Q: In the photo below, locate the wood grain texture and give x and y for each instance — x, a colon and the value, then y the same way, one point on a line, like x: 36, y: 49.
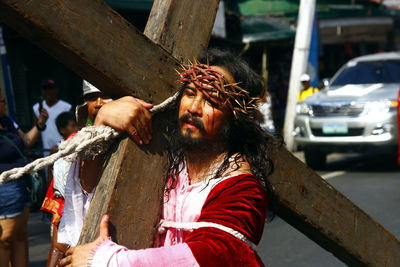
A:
x: 97, y: 43
x: 182, y: 27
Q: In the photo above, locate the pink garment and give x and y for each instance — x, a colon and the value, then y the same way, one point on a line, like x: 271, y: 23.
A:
x: 182, y: 204
x: 110, y: 254
x: 238, y: 203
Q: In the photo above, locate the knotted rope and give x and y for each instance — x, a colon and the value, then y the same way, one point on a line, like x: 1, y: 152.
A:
x: 87, y: 143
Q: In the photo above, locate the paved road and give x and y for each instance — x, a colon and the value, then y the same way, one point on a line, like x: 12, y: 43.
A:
x: 372, y: 183
x: 39, y: 240
x: 369, y: 181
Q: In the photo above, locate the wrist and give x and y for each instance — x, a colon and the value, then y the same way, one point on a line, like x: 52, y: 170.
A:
x: 41, y: 128
x: 98, y: 121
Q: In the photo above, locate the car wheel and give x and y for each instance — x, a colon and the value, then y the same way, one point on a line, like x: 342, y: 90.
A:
x: 315, y: 159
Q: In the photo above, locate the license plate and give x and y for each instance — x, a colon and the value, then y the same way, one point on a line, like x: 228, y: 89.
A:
x: 334, y: 128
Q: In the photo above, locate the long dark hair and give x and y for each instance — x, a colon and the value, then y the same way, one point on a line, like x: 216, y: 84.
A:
x: 245, y: 139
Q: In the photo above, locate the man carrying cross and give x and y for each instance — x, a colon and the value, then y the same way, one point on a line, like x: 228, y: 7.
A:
x: 216, y: 193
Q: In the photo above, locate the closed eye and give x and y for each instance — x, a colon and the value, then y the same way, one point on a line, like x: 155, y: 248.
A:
x: 214, y: 100
x: 189, y: 91
x: 212, y: 103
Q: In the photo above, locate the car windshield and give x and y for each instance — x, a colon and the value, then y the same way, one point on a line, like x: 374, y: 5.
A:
x: 369, y: 72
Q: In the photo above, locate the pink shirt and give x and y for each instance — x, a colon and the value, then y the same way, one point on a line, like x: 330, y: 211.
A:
x: 184, y: 205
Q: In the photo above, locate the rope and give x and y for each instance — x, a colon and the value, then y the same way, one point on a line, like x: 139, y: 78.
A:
x: 196, y: 225
x: 87, y: 143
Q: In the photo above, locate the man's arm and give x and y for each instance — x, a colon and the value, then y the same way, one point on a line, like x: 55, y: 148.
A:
x: 90, y: 170
x: 31, y: 136
x: 127, y: 114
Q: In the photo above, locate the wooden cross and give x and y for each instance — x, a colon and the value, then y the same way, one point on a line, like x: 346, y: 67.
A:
x: 103, y: 48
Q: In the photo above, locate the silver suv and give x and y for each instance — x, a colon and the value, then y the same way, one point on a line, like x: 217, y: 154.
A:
x: 355, y: 113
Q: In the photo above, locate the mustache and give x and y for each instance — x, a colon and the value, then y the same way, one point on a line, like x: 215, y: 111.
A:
x: 195, y: 121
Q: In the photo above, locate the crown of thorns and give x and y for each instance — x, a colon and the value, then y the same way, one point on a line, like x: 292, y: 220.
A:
x: 209, y: 81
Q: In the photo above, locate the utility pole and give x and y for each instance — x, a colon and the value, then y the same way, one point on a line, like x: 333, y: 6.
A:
x: 301, y: 51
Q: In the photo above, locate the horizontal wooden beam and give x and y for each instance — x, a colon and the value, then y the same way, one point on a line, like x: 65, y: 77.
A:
x: 96, y: 43
x: 318, y: 210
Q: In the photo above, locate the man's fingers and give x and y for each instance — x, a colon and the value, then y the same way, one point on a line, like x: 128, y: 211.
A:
x: 144, y: 128
x: 104, y: 227
x: 146, y: 121
x: 141, y: 127
x: 148, y: 126
x: 65, y: 261
x: 43, y: 116
x: 128, y: 114
x: 70, y: 251
x: 144, y: 103
x: 134, y: 135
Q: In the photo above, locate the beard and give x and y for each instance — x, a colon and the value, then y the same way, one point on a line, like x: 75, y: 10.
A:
x: 186, y: 143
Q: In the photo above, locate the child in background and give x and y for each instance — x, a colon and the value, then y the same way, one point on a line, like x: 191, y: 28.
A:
x: 66, y: 124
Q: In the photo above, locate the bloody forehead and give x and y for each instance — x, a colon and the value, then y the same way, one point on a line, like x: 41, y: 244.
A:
x: 210, y: 81
x: 204, y: 78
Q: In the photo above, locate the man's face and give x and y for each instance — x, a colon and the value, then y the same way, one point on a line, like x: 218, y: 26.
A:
x: 50, y: 94
x: 200, y: 117
x: 305, y: 84
x: 3, y: 109
x: 94, y: 102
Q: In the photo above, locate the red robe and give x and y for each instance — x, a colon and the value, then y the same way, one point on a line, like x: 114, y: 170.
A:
x: 239, y: 202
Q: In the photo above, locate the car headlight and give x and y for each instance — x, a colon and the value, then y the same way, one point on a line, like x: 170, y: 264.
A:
x: 376, y: 107
x: 303, y: 109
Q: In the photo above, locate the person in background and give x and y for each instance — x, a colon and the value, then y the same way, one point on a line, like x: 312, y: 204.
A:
x: 307, y: 88
x: 54, y: 106
x: 66, y: 124
x: 94, y: 100
x: 59, y: 197
x: 14, y: 202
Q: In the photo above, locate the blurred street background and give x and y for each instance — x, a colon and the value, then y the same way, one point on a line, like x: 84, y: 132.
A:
x: 264, y: 33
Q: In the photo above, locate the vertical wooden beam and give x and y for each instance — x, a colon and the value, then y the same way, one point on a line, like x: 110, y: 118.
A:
x: 180, y: 27
x: 129, y: 175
